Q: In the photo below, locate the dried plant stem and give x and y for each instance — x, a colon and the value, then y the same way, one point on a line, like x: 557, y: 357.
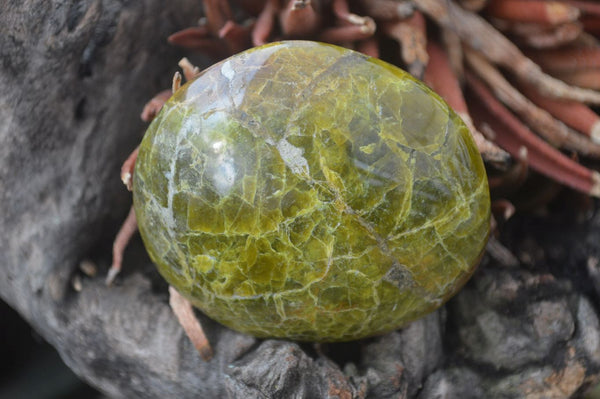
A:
x: 346, y: 34
x: 252, y: 7
x: 541, y: 121
x: 482, y: 36
x: 352, y: 28
x: 123, y: 237
x: 265, y: 23
x: 567, y: 59
x: 440, y: 77
x: 386, y: 10
x: 217, y: 14
x: 299, y: 19
x: 341, y: 9
x: 551, y: 38
x: 455, y: 54
x: 411, y: 34
x: 231, y: 37
x: 153, y: 106
x: 187, y: 319
x: 176, y: 82
x: 544, y: 12
x: 588, y: 7
x: 513, y: 136
x: 586, y: 39
x: 236, y: 36
x: 189, y: 37
x: 368, y: 46
x: 577, y: 115
x: 589, y: 78
x: 189, y: 70
x: 473, y: 5
x: 127, y: 169
x: 198, y: 38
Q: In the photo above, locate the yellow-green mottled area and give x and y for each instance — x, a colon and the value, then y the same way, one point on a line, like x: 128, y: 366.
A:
x: 306, y: 191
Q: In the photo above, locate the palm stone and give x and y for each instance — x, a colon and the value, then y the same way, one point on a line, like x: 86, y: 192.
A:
x: 307, y: 191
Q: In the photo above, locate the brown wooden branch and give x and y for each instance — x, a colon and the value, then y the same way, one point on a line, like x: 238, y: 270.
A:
x: 127, y: 230
x: 454, y: 52
x: 341, y: 9
x: 265, y: 23
x: 350, y: 27
x: 299, y: 18
x: 190, y: 324
x: 586, y: 40
x: 440, y: 77
x: 552, y: 38
x: 543, y: 12
x: 577, y: 115
x: 386, y: 10
x: 236, y: 36
x: 473, y: 5
x: 189, y: 70
x: 199, y: 38
x: 154, y: 105
x: 588, y: 78
x: 411, y: 34
x: 567, y: 59
x: 189, y: 37
x: 480, y: 35
x: 513, y: 136
x: 347, y: 34
x: 217, y: 14
x: 127, y: 169
x: 368, y: 46
x: 587, y: 7
x: 540, y: 120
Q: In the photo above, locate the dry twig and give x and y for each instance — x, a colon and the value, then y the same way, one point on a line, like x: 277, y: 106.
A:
x: 541, y: 121
x: 535, y: 11
x: 577, y: 115
x: 440, y: 77
x: 411, y: 35
x: 482, y: 36
x: 512, y: 135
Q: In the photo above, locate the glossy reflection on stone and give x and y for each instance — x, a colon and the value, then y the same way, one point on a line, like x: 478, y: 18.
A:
x: 306, y: 191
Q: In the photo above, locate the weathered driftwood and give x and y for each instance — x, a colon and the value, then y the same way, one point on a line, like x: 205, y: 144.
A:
x: 74, y: 78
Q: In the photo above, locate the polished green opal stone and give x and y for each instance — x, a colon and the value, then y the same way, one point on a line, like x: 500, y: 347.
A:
x: 303, y: 190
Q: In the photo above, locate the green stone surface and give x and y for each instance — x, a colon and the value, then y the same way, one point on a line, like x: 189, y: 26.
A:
x: 307, y: 191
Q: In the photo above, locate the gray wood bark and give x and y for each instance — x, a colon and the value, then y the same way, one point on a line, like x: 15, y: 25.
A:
x: 74, y: 77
